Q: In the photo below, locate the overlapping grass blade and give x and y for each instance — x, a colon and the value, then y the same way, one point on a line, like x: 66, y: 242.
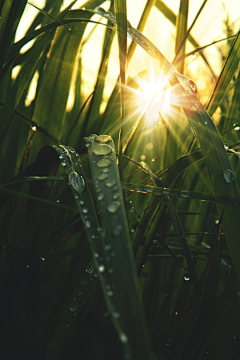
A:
x: 8, y: 30
x: 178, y: 55
x: 208, y: 297
x: 182, y: 24
x: 117, y: 240
x: 209, y: 140
x: 225, y: 77
x: 169, y: 14
x: 93, y: 113
x: 120, y: 7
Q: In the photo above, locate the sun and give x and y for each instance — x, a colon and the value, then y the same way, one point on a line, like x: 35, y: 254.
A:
x: 154, y: 98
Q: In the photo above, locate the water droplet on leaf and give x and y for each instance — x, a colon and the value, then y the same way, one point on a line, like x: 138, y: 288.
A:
x: 102, y: 149
x: 73, y: 308
x: 113, y: 207
x: 186, y: 277
x: 110, y: 183
x: 100, y: 197
x: 166, y: 191
x: 103, y: 163
x: 101, y: 268
x: 103, y: 138
x: 184, y: 193
x: 123, y: 337
x: 228, y: 176
x: 102, y: 176
x: 87, y: 224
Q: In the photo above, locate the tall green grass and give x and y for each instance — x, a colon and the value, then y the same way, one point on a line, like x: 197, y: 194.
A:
x: 119, y: 228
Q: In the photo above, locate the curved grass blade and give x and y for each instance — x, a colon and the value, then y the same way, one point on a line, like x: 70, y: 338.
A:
x: 8, y: 32
x: 225, y: 77
x: 200, y: 48
x: 49, y: 15
x: 105, y: 257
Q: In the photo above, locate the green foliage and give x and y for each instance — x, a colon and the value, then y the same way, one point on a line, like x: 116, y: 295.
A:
x: 115, y: 254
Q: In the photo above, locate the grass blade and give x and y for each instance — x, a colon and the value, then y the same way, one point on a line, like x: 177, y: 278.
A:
x: 182, y: 24
x: 225, y: 77
x: 117, y: 239
x: 120, y: 7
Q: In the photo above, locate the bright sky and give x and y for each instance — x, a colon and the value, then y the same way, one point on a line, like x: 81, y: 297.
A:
x: 209, y: 27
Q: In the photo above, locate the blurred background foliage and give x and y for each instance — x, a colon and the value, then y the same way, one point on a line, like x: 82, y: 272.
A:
x: 53, y: 93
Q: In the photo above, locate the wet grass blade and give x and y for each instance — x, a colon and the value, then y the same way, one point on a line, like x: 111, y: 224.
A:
x: 114, y: 245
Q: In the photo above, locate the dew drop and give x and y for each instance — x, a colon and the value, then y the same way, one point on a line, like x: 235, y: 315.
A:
x: 228, y: 176
x: 80, y: 293
x: 99, y: 229
x: 63, y: 163
x: 34, y: 128
x: 110, y: 183
x: 100, y: 197
x: 184, y: 193
x: 149, y: 189
x: 42, y: 258
x: 87, y: 224
x: 85, y: 210
x: 166, y: 191
x: 116, y: 196
x: 101, y: 268
x: 206, y: 123
x: 123, y: 337
x: 192, y: 85
x: 186, y: 277
x: 105, y: 170
x: 81, y: 202
x: 61, y: 157
x: 194, y: 108
x: 102, y: 176
x: 73, y: 308
x: 110, y: 293
x: 76, y: 181
x: 102, y: 149
x: 113, y: 207
x: 144, y: 165
x: 103, y: 163
x: 96, y: 255
x: 103, y: 138
x: 116, y: 315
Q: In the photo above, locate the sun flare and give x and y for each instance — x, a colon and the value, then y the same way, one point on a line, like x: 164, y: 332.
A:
x: 154, y: 98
